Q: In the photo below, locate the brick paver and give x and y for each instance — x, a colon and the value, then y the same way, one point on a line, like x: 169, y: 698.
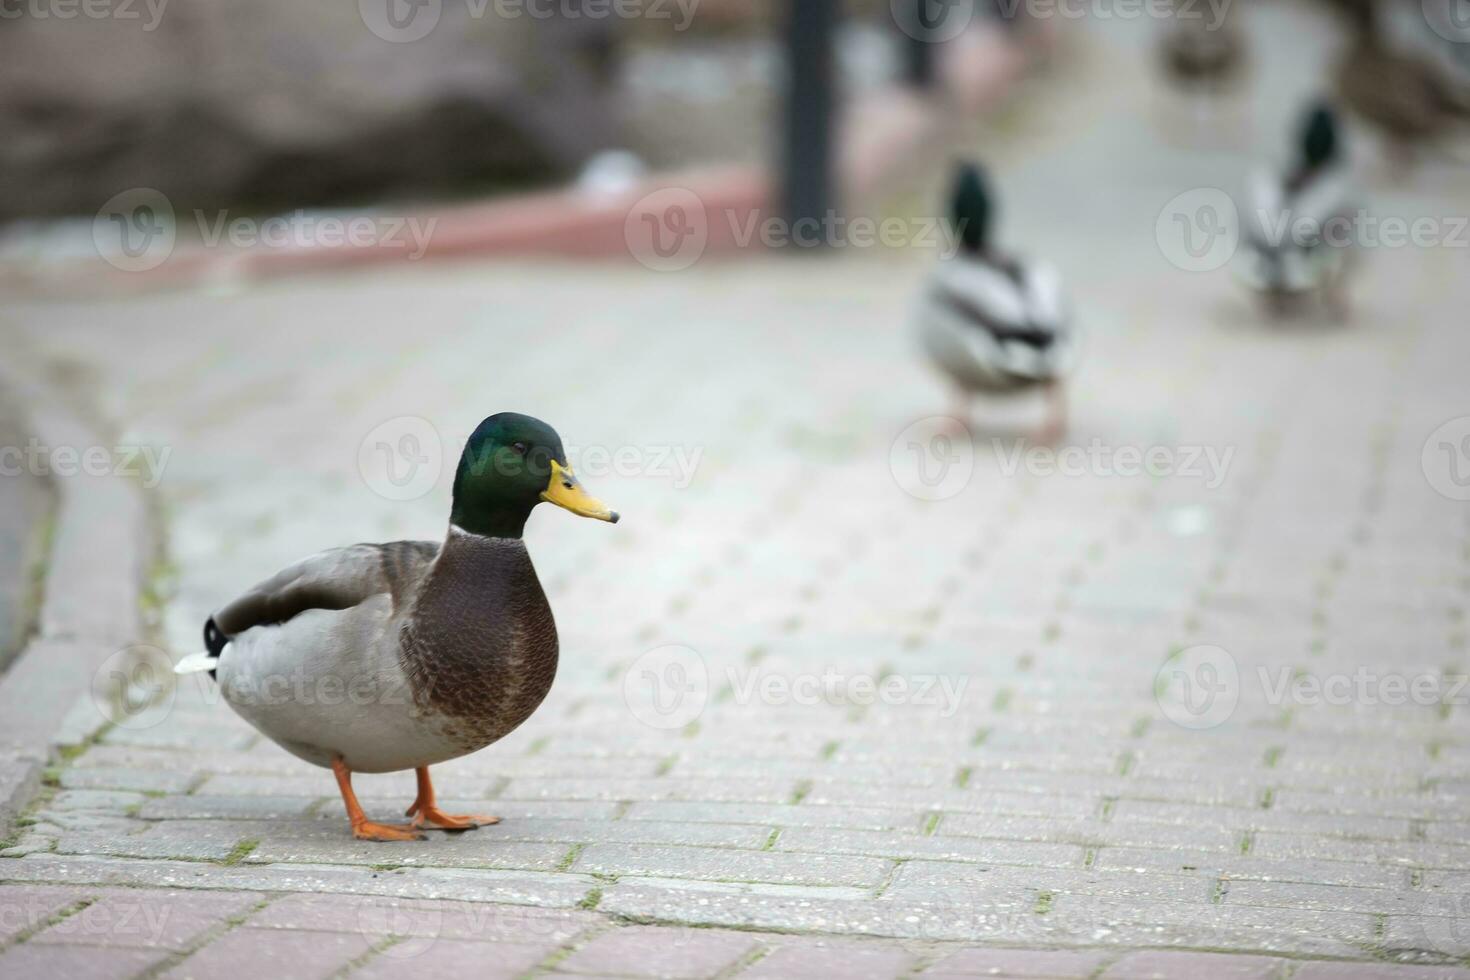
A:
x: 1030, y: 805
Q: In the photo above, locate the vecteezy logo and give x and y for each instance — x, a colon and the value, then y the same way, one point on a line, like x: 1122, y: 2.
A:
x: 401, y: 459
x: 1199, y: 230
x: 667, y: 230
x: 1446, y: 459
x: 1450, y: 19
x: 1198, y: 687
x: 415, y: 926
x: 134, y: 231
x: 400, y: 20
x: 667, y: 687
x: 1445, y: 919
x: 932, y: 21
x: 933, y: 459
x: 134, y: 688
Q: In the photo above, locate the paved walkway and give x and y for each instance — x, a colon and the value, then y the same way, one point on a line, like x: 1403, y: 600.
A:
x: 849, y: 698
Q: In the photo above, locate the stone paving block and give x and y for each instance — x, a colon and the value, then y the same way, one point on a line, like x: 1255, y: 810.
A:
x: 200, y: 807
x: 94, y: 799
x: 781, y: 815
x: 1234, y: 820
x: 1426, y: 854
x: 1298, y: 930
x: 192, y: 839
x: 1352, y: 800
x: 397, y: 786
x: 147, y: 918
x: 696, y: 764
x: 377, y: 917
x: 931, y: 920
x: 995, y: 962
x: 919, y: 880
x: 331, y: 842
x: 512, y: 812
x: 1325, y: 897
x: 27, y: 908
x: 1092, y: 832
x: 268, y: 759
x: 655, y: 951
x: 906, y: 846
x: 1205, y: 788
x: 180, y: 737
x: 833, y: 958
x: 715, y: 790
x: 641, y: 744
x: 634, y: 832
x: 273, y: 953
x: 952, y: 800
x: 1457, y: 882
x: 1377, y: 971
x: 140, y: 780
x: 78, y: 962
x: 29, y: 843
x: 453, y: 957
x: 728, y: 864
x: 1164, y: 965
x: 548, y: 889
x: 58, y: 822
x: 1238, y: 866
x: 495, y: 765
x: 1440, y: 929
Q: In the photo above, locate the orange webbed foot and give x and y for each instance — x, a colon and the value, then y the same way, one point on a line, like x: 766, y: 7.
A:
x: 385, y: 832
x: 433, y: 816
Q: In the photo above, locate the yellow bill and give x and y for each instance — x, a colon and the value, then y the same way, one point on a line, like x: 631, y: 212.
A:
x: 565, y: 490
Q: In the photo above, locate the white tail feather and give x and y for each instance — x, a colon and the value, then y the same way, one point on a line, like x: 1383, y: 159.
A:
x: 196, y: 663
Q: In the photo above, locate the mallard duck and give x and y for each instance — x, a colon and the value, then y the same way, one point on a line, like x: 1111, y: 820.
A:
x: 1201, y: 55
x: 991, y: 322
x: 1291, y: 247
x: 385, y: 657
x: 1409, y: 85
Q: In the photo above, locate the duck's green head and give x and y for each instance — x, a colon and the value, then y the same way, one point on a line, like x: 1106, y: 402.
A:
x: 510, y: 464
x: 970, y: 208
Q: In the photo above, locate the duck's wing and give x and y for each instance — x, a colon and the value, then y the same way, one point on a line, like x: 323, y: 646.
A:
x: 998, y: 326
x: 1266, y: 223
x: 1323, y: 199
x: 337, y: 579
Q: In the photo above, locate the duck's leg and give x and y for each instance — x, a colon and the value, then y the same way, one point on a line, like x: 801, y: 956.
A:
x: 961, y: 417
x: 425, y: 810
x: 362, y: 827
x: 1055, y: 426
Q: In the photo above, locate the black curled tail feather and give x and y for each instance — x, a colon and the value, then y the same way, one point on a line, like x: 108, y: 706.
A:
x: 214, y: 642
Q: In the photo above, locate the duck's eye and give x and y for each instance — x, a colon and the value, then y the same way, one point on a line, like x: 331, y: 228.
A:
x: 519, y: 448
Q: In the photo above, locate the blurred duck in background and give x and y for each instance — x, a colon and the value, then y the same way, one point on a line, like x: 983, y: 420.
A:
x: 1404, y: 77
x: 1200, y: 55
x: 1293, y: 248
x: 992, y: 323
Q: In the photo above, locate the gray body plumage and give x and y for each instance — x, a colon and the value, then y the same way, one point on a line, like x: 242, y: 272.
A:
x: 391, y: 656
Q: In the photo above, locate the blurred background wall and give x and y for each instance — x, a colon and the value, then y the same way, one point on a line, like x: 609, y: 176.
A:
x: 277, y: 102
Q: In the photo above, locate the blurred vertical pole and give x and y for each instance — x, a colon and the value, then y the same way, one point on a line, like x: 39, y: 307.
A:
x: 806, y: 192
x: 919, y: 54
